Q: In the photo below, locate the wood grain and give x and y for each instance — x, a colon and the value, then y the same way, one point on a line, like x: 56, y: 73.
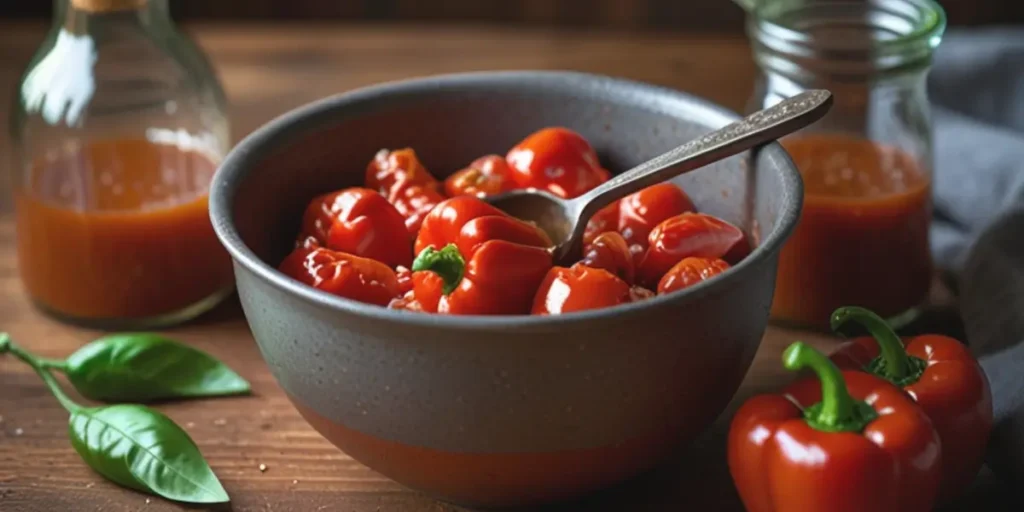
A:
x: 268, y: 70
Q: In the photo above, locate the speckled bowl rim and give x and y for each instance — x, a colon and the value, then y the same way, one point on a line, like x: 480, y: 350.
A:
x: 271, y: 136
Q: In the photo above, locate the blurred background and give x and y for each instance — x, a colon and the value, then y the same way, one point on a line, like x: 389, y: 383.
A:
x: 670, y: 15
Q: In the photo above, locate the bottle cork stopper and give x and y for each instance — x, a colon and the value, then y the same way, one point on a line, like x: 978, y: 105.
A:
x: 107, y: 5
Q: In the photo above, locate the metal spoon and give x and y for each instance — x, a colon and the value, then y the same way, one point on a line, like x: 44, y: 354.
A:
x: 566, y: 219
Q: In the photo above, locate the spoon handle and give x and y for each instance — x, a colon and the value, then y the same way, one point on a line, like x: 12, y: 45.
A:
x: 756, y: 129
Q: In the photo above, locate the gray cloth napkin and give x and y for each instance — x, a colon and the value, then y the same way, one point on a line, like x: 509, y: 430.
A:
x: 977, y: 90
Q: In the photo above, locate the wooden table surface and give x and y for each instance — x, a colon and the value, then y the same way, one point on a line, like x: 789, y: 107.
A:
x: 266, y: 71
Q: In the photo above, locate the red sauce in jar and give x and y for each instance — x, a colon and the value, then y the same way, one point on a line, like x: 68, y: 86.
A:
x: 119, y: 230
x: 862, y: 239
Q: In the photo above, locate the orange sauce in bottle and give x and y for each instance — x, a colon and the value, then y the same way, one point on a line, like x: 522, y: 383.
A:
x: 862, y: 239
x: 119, y: 231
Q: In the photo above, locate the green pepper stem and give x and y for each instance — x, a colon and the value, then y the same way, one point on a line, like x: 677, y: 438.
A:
x: 838, y: 411
x: 40, y: 366
x: 447, y: 263
x: 897, y: 366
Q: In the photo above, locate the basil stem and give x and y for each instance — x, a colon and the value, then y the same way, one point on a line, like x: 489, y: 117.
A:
x: 37, y: 364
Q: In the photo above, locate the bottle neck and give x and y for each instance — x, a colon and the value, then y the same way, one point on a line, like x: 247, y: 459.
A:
x: 79, y: 16
x: 841, y: 42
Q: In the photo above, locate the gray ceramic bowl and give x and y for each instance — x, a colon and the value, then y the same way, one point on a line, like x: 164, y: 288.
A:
x: 500, y: 411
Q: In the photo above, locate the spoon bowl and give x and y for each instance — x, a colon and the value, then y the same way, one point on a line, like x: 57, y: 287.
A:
x: 565, y: 220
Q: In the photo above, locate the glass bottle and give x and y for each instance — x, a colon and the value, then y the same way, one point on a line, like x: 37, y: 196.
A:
x: 118, y: 125
x: 867, y: 166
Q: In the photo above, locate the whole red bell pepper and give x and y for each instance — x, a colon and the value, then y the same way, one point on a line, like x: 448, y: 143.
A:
x: 844, y: 442
x: 342, y: 274
x: 444, y: 223
x: 489, y: 263
x: 361, y: 222
x: 579, y: 288
x: 941, y: 375
x: 499, y: 278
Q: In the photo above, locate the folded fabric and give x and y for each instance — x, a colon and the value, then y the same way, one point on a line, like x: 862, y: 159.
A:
x: 977, y: 89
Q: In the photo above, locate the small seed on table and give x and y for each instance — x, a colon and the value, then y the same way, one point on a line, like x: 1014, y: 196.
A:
x: 263, y: 468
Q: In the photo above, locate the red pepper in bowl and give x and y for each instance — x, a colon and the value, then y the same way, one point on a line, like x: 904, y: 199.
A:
x: 499, y: 278
x: 689, y: 272
x: 443, y: 224
x: 342, y: 274
x: 489, y: 263
x: 486, y: 176
x: 361, y: 222
x: 400, y: 177
x: 941, y: 375
x: 604, y: 221
x: 610, y: 252
x: 685, y: 235
x: 639, y: 213
x: 389, y: 167
x: 845, y: 442
x: 558, y: 160
x: 579, y: 288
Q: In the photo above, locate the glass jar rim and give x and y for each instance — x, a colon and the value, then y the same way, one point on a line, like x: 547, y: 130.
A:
x: 914, y: 27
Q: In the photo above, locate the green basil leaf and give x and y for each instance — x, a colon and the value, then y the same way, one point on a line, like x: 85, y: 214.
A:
x: 142, y: 449
x: 147, y: 367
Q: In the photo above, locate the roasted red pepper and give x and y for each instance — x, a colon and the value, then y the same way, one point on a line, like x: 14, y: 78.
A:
x: 342, y: 274
x: 404, y: 275
x: 401, y: 178
x: 604, y: 221
x: 844, y: 442
x: 486, y: 176
x: 579, y: 288
x: 686, y: 235
x: 558, y: 160
x: 388, y: 168
x: 941, y: 375
x: 499, y: 278
x: 689, y: 272
x: 609, y: 252
x: 414, y: 203
x: 639, y: 213
x: 361, y: 222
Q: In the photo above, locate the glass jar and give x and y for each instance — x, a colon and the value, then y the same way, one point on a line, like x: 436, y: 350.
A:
x: 862, y: 238
x: 117, y: 128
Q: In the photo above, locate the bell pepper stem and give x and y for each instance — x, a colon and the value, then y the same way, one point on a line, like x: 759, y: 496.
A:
x: 838, y: 411
x: 447, y: 263
x: 893, y: 363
